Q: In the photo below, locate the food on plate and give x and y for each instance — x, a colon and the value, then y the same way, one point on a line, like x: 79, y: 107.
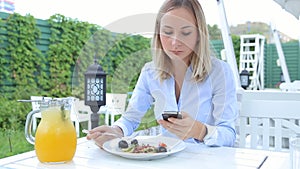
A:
x: 135, y: 147
x: 134, y: 141
x: 123, y: 144
x: 162, y: 149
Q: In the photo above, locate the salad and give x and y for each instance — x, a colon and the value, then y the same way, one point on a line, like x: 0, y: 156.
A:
x: 135, y: 147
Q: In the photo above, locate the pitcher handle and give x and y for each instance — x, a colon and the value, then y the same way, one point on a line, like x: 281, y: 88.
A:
x: 28, y: 134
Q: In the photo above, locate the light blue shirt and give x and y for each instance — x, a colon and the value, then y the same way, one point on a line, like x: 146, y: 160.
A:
x: 212, y: 102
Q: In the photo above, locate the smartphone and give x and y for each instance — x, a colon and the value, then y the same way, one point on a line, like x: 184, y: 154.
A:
x: 168, y: 114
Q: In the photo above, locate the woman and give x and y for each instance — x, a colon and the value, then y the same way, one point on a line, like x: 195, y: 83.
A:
x: 182, y: 77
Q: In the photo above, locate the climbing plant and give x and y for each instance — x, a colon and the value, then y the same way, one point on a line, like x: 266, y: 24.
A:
x: 26, y: 62
x: 68, y: 37
x: 129, y: 56
x: 4, y: 62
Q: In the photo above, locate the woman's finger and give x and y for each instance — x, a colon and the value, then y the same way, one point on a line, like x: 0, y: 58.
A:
x: 100, y: 140
x: 100, y: 129
x: 93, y: 135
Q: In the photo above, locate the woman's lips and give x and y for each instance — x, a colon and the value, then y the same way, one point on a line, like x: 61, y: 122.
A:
x: 176, y: 52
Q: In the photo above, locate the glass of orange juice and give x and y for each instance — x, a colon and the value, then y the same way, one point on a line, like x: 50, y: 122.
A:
x: 55, y: 139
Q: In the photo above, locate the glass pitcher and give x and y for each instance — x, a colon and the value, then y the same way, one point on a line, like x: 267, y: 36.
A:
x: 55, y: 139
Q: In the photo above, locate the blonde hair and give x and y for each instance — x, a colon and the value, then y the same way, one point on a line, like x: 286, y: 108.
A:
x: 200, y: 59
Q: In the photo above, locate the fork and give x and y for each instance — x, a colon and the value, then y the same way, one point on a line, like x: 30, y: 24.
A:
x: 105, y: 134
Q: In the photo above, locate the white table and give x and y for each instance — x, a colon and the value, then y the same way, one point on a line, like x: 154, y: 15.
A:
x: 88, y: 155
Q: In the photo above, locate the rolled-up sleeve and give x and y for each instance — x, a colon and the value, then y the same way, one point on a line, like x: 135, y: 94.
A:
x: 221, y: 131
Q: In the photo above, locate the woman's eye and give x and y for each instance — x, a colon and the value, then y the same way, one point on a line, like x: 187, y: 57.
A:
x: 186, y: 33
x: 168, y: 32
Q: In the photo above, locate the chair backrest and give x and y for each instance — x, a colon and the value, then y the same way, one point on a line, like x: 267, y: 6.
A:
x: 239, y: 96
x: 80, y: 107
x: 116, y: 102
x: 294, y: 86
x: 270, y: 95
x: 268, y: 121
x: 36, y: 105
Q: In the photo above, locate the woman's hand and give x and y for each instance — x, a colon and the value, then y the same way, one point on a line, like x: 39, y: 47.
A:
x: 185, y: 128
x: 104, y: 133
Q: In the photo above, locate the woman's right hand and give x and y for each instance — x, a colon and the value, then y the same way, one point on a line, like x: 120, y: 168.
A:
x: 104, y: 133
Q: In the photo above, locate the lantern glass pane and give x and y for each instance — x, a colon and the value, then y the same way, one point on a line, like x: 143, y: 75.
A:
x: 101, y: 80
x: 97, y: 98
x: 244, y: 80
x: 92, y: 80
x: 95, y: 89
x: 97, y: 80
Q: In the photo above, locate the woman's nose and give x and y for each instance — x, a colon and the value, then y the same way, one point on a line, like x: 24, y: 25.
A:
x: 175, y: 41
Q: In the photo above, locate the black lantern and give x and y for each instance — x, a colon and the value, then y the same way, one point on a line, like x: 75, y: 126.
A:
x: 244, y: 77
x: 95, y: 90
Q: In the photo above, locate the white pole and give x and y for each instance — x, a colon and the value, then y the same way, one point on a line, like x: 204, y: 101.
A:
x: 281, y: 56
x: 228, y: 43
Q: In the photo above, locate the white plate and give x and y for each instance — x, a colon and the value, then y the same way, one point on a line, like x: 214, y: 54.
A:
x: 173, y: 146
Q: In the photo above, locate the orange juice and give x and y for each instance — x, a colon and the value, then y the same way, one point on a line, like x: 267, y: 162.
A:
x: 55, y: 139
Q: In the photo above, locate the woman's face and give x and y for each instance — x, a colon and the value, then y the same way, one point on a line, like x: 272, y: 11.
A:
x: 178, y: 34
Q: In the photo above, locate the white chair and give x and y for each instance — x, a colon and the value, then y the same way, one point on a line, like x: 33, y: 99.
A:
x: 285, y: 86
x: 270, y: 95
x: 239, y: 96
x: 268, y: 123
x: 115, y: 105
x: 75, y: 114
x: 82, y: 113
x: 290, y: 87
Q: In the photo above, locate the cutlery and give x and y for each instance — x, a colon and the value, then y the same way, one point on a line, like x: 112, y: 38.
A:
x: 262, y: 162
x: 105, y: 134
x: 29, y: 100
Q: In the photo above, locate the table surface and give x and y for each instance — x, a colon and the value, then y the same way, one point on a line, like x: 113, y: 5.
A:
x: 88, y: 155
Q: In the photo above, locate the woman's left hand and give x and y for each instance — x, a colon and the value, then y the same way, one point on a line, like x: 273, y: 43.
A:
x: 184, y: 128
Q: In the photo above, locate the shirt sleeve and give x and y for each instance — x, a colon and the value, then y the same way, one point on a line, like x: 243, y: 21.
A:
x: 139, y: 103
x: 210, y: 133
x: 222, y: 131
